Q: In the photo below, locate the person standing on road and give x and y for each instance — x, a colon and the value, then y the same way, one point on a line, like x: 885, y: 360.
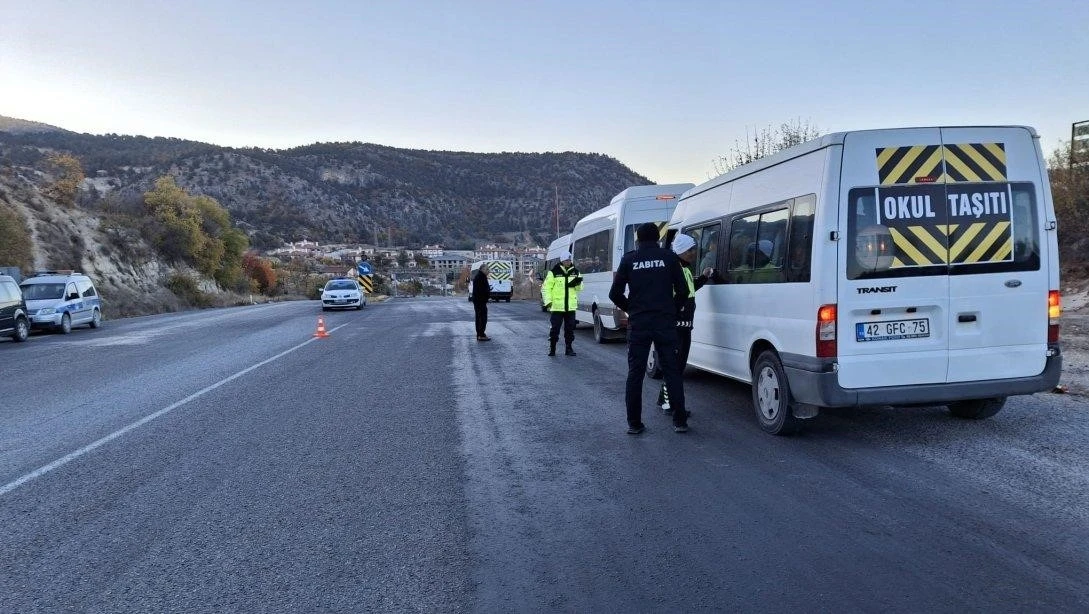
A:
x: 481, y: 293
x: 685, y: 248
x: 656, y: 292
x: 560, y: 295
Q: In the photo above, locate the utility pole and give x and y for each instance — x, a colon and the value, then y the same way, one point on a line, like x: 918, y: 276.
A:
x: 556, y: 192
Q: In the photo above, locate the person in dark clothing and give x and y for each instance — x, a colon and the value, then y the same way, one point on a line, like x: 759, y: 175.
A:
x: 656, y: 292
x: 685, y: 248
x: 480, y: 295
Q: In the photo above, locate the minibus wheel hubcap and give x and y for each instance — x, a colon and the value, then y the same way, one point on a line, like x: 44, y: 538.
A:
x: 768, y: 392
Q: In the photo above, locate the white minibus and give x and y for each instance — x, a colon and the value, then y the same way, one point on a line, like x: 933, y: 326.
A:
x: 600, y: 239
x: 914, y: 266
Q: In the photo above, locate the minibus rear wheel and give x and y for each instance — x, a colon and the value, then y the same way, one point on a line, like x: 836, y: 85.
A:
x: 977, y: 409
x: 771, y: 395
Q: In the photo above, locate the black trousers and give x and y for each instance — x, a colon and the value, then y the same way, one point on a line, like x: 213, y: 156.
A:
x: 481, y: 309
x: 663, y: 335
x: 567, y: 319
x: 684, y: 345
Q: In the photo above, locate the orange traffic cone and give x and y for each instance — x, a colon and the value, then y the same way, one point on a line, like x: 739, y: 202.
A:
x: 321, y: 328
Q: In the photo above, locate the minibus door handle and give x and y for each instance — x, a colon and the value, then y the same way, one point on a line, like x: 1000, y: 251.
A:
x: 966, y: 317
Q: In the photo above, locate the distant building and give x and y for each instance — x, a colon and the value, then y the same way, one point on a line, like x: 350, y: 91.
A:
x: 431, y: 251
x: 448, y: 261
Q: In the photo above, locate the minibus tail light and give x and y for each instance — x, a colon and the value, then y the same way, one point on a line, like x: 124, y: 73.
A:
x: 826, y: 331
x: 1054, y: 312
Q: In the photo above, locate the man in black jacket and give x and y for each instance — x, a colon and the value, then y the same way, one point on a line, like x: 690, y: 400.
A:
x: 656, y: 292
x: 481, y: 292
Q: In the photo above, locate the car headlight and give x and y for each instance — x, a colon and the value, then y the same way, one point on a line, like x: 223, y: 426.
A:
x: 47, y: 311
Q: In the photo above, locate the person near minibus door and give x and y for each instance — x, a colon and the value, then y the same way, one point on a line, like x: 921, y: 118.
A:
x: 685, y: 248
x: 655, y: 290
x: 560, y: 295
x: 480, y: 295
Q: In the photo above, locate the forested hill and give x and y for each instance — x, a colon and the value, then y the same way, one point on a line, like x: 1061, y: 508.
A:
x: 343, y: 191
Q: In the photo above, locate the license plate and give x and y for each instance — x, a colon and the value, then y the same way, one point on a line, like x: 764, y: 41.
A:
x: 890, y: 330
x: 340, y: 301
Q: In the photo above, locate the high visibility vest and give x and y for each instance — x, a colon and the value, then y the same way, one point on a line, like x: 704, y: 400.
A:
x: 558, y: 292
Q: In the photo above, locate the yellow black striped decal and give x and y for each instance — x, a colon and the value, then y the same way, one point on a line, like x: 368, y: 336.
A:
x: 961, y: 243
x: 918, y: 246
x: 954, y: 163
x: 909, y: 165
x: 500, y: 270
x: 366, y: 282
x: 975, y: 162
x: 980, y: 242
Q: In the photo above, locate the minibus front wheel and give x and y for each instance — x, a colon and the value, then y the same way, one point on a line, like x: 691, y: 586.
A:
x: 599, y: 329
x: 771, y: 395
x: 977, y: 409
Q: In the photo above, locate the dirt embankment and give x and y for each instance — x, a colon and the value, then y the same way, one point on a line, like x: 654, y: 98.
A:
x: 1074, y: 338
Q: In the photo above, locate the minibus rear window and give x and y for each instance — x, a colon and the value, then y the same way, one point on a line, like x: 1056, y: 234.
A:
x: 941, y: 229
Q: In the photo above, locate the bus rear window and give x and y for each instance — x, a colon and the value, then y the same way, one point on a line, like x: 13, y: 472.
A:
x: 941, y: 229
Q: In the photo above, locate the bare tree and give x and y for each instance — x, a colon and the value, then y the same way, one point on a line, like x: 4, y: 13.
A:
x: 765, y: 142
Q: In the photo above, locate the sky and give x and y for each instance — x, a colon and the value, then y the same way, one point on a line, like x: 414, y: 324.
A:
x: 665, y: 87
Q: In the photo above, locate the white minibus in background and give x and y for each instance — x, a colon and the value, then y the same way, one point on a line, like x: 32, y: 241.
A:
x: 600, y: 239
x: 500, y: 278
x: 556, y: 249
x: 914, y: 266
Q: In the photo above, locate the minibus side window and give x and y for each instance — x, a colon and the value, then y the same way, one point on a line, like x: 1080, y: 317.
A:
x: 591, y: 253
x: 769, y: 250
x: 742, y: 234
x: 706, y: 238
x: 801, y: 239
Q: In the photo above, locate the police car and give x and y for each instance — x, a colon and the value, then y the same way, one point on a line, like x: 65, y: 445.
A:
x: 59, y: 300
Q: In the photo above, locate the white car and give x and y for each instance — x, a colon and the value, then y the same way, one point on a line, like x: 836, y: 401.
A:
x: 342, y: 294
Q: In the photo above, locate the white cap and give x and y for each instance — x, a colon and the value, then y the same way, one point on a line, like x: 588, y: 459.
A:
x: 565, y: 256
x: 683, y: 243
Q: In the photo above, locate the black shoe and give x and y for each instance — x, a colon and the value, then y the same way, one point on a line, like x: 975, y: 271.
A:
x: 569, y: 352
x: 635, y: 430
x: 552, y: 352
x: 680, y: 428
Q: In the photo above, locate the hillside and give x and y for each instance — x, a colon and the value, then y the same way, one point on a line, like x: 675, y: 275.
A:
x: 357, y: 192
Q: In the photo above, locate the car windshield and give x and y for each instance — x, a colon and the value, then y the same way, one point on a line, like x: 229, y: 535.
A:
x: 341, y: 285
x: 37, y: 292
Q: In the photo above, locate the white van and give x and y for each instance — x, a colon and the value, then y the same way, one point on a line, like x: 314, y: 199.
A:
x: 59, y: 300
x: 914, y: 266
x: 601, y: 239
x: 556, y: 249
x: 500, y: 278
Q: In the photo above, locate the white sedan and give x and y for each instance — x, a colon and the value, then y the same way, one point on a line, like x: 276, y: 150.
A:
x: 342, y: 294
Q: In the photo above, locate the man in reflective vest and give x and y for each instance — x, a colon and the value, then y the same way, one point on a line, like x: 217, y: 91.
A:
x: 560, y: 295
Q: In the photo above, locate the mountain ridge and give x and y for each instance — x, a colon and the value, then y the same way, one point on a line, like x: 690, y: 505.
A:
x: 343, y: 191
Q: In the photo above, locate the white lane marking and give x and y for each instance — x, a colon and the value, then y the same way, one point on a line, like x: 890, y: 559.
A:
x: 64, y: 460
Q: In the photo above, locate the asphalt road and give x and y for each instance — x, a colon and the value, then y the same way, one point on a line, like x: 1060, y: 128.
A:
x: 226, y: 460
